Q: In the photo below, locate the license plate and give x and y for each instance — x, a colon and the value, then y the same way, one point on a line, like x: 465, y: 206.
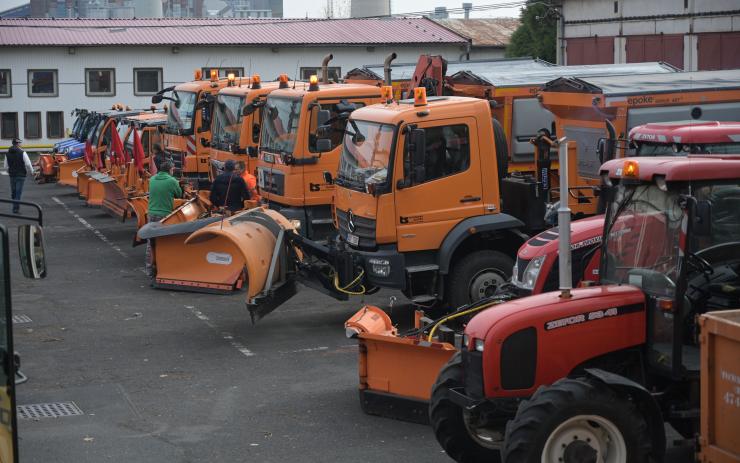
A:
x: 354, y: 240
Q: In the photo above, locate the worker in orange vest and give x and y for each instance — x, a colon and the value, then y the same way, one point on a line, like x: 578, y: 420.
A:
x: 250, y: 180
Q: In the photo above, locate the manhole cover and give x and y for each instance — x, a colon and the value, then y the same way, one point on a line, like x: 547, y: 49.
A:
x: 48, y: 410
x: 21, y: 319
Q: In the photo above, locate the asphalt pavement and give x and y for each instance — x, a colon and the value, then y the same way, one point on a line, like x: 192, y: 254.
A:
x: 165, y: 376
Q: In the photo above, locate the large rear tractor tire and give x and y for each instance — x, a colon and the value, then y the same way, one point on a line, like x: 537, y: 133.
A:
x: 476, y: 276
x: 577, y: 421
x: 453, y: 426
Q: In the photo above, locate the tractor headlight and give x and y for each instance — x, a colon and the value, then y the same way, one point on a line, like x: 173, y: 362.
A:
x: 479, y: 343
x: 296, y: 223
x: 531, y: 273
x: 466, y: 341
x: 380, y: 267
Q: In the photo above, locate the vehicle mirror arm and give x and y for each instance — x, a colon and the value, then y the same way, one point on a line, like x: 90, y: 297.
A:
x: 39, y: 219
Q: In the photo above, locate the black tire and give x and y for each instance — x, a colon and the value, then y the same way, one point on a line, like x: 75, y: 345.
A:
x: 468, y: 271
x: 537, y: 420
x: 502, y: 150
x: 448, y: 422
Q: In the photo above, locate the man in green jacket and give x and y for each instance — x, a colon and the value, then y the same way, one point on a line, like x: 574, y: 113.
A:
x: 163, y: 189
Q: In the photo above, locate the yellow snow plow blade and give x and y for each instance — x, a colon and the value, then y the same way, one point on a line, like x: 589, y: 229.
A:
x: 257, y: 236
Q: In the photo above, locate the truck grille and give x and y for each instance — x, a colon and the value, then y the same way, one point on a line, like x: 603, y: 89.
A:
x: 364, y: 229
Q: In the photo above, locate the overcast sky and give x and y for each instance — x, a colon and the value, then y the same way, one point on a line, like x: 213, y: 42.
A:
x: 316, y: 8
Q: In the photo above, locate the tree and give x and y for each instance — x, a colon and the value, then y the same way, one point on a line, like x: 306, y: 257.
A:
x: 536, y: 36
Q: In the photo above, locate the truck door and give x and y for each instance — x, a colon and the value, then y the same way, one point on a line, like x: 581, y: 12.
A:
x: 8, y: 427
x: 450, y: 191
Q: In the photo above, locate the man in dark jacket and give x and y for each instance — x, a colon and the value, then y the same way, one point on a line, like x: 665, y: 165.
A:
x: 18, y: 166
x: 229, y: 189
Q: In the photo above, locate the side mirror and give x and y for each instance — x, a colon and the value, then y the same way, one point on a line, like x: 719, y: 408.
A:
x: 605, y: 148
x: 256, y: 132
x: 323, y: 117
x: 31, y: 251
x: 702, y: 223
x: 418, y: 152
x: 156, y: 99
x: 328, y: 179
x: 323, y: 145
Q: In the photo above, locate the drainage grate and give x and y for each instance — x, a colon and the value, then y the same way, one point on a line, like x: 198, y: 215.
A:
x: 21, y: 319
x: 48, y: 410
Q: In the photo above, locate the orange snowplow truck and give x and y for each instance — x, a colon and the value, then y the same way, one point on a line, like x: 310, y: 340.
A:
x: 188, y: 130
x: 237, y: 118
x: 582, y: 104
x: 293, y: 158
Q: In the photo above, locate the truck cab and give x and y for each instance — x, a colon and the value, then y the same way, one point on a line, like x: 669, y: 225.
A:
x: 417, y: 199
x: 188, y: 130
x: 237, y: 118
x: 292, y: 163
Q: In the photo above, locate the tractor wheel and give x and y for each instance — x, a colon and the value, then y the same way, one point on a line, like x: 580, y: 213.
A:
x: 476, y: 276
x: 455, y: 428
x: 577, y: 421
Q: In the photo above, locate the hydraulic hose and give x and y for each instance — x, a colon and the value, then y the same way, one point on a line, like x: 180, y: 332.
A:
x: 345, y: 289
x: 456, y: 315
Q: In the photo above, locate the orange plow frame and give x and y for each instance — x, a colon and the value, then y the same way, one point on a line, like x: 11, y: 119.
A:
x: 396, y: 373
x: 67, y: 171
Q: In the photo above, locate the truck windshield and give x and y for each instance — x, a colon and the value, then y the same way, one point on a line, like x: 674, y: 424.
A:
x: 227, y: 121
x: 77, y: 127
x: 644, y: 238
x: 280, y: 124
x: 365, y: 155
x: 662, y: 149
x: 86, y: 128
x: 180, y: 115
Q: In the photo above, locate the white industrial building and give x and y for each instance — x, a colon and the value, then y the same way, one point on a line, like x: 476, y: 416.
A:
x: 690, y: 34
x: 49, y: 67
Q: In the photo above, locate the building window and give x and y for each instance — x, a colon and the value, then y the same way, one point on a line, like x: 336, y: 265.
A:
x: 43, y: 82
x: 32, y: 125
x: 147, y: 81
x: 100, y: 82
x: 5, y: 85
x: 55, y: 124
x: 223, y: 72
x: 9, y: 125
x: 334, y: 73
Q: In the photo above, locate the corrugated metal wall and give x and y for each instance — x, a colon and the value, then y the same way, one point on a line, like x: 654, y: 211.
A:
x: 590, y: 50
x: 719, y: 51
x: 663, y: 47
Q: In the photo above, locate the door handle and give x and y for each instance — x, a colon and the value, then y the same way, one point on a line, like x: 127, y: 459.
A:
x: 470, y: 199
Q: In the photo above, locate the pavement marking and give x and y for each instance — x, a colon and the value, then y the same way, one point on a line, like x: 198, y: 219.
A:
x: 228, y: 337
x: 87, y: 225
x: 308, y: 349
x: 21, y: 319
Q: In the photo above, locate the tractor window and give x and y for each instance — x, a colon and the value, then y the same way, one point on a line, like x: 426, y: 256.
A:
x: 337, y: 126
x: 725, y: 215
x: 447, y: 151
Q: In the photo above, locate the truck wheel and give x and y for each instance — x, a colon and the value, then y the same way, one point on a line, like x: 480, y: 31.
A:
x: 454, y: 427
x: 476, y: 276
x: 577, y: 421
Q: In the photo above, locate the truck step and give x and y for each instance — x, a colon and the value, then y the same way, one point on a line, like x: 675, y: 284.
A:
x: 423, y: 299
x: 422, y: 268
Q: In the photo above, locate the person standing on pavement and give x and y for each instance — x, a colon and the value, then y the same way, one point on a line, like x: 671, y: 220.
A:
x: 18, y: 166
x: 163, y: 189
x: 229, y: 189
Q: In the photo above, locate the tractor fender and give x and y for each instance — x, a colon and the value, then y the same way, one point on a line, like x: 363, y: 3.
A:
x: 254, y: 233
x: 644, y: 400
x: 472, y: 226
x: 157, y: 229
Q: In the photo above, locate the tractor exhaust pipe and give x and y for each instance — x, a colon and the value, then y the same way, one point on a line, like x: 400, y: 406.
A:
x: 325, y: 68
x: 565, y: 263
x: 387, y: 68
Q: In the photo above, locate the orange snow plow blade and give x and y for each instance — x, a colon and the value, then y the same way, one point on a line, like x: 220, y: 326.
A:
x: 115, y: 200
x: 396, y: 372
x: 68, y: 171
x: 254, y: 240
x: 48, y: 168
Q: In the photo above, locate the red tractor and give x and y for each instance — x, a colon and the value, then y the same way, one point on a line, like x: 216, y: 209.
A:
x: 592, y: 374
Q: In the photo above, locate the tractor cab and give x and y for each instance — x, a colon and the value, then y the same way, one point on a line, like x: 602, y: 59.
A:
x: 673, y: 230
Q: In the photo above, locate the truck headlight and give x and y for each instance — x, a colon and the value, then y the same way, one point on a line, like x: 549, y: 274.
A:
x: 296, y: 223
x: 466, y: 340
x: 479, y: 343
x: 531, y: 273
x: 380, y: 267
